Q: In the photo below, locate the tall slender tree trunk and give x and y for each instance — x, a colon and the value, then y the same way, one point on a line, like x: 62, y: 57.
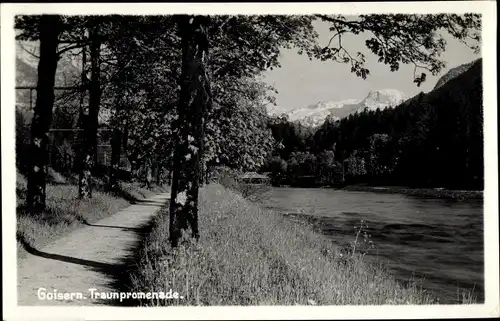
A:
x: 170, y: 166
x: 159, y: 169
x: 84, y: 176
x: 202, y: 172
x: 95, y: 87
x: 343, y: 171
x: 195, y: 101
x: 148, y: 173
x: 89, y: 157
x: 159, y: 176
x: 117, y: 136
x: 116, y: 148
x: 169, y: 176
x: 49, y: 32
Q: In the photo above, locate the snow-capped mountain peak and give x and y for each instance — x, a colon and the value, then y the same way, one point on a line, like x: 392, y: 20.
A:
x: 315, y: 114
x: 383, y: 98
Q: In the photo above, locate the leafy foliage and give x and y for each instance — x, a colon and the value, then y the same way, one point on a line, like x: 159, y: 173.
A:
x: 237, y: 133
x: 400, y: 38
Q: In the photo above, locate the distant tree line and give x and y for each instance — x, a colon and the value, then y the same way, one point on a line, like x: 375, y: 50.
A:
x: 432, y: 140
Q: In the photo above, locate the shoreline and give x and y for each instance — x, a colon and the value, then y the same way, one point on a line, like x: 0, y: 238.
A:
x: 270, y: 260
x: 440, y: 193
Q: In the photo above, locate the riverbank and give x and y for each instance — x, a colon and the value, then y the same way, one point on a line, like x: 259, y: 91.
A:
x: 65, y: 212
x: 248, y: 255
x: 419, y: 192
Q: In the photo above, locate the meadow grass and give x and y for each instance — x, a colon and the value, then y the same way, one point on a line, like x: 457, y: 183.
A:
x: 247, y: 255
x: 65, y: 212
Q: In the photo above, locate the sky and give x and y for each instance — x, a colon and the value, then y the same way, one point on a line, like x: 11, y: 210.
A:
x: 301, y: 82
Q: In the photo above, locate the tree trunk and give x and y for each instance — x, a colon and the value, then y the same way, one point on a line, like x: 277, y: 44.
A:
x: 95, y: 88
x: 125, y: 136
x: 169, y: 177
x: 170, y: 169
x: 146, y: 173
x: 202, y: 172
x: 42, y: 118
x: 195, y: 101
x: 343, y: 171
x: 116, y: 148
x: 77, y: 165
x: 159, y: 173
x: 85, y: 178
x: 89, y: 157
x: 117, y: 137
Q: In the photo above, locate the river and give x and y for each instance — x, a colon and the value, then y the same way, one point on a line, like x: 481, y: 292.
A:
x: 440, y: 240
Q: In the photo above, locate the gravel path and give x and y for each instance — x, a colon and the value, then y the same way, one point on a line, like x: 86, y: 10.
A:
x: 92, y: 257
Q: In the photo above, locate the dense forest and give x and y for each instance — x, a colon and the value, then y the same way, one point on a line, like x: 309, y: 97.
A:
x: 431, y: 140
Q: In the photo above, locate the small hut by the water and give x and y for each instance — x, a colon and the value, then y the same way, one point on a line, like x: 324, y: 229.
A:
x: 254, y: 178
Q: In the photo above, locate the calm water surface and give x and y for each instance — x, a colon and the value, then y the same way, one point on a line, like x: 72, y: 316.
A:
x: 441, y: 240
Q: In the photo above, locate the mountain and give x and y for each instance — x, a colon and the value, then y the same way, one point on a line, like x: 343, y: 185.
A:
x: 68, y: 74
x: 315, y: 114
x: 468, y: 82
x: 453, y: 73
x: 382, y: 99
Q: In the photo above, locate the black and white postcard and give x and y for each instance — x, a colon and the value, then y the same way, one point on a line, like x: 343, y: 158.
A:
x: 236, y: 160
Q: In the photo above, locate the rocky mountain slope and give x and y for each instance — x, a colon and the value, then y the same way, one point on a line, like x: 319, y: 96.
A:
x: 68, y: 67
x: 453, y: 73
x: 68, y: 74
x: 315, y: 114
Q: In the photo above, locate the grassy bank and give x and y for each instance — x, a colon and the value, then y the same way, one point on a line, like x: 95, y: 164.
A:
x: 419, y: 192
x: 247, y: 255
x: 65, y: 212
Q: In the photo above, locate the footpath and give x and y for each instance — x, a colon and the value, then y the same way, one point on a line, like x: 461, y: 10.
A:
x: 93, y: 257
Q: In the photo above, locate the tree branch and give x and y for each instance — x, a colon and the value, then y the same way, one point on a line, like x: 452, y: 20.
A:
x: 68, y: 48
x: 354, y: 24
x: 32, y: 54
